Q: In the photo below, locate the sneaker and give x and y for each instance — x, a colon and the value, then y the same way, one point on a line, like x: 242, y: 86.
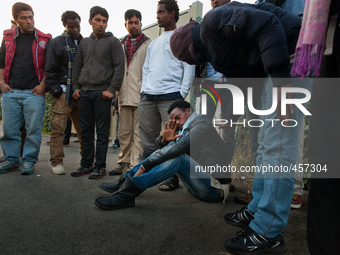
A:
x: 82, y: 171
x: 249, y: 242
x: 98, y: 173
x: 58, y: 169
x: 170, y: 184
x: 2, y: 158
x: 240, y: 218
x: 27, y: 168
x: 118, y: 170
x: 296, y: 201
x: 7, y: 166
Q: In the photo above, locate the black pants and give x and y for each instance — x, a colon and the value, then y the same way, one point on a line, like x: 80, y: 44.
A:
x: 94, y: 112
x: 323, y: 219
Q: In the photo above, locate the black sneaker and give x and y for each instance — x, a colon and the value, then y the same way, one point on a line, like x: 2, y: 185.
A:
x: 240, y: 219
x: 249, y: 242
x: 98, y: 173
x: 118, y: 170
x: 82, y: 171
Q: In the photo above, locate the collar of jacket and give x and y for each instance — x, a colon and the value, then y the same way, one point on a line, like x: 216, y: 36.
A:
x: 106, y: 34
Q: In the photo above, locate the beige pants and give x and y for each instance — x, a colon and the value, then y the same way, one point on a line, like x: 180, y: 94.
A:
x: 60, y: 114
x: 128, y: 135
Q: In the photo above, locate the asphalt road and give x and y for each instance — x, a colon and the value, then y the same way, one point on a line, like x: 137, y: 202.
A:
x: 48, y: 214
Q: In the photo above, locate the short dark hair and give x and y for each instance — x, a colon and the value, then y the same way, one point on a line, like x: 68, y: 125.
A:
x: 183, y: 105
x: 69, y: 15
x: 131, y: 13
x: 19, y: 6
x: 171, y: 5
x: 98, y: 10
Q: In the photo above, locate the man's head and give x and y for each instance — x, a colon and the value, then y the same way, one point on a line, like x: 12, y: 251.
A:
x: 167, y: 13
x: 71, y: 21
x: 98, y: 20
x: 217, y: 3
x: 23, y: 15
x: 180, y: 111
x: 133, y: 19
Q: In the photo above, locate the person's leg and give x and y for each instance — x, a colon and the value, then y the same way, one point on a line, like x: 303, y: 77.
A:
x: 12, y: 119
x: 149, y: 125
x: 68, y: 129
x: 197, y: 183
x: 272, y: 195
x: 102, y: 112
x: 33, y: 110
x: 125, y: 134
x: 74, y: 115
x: 58, y: 122
x: 136, y: 143
x: 86, y: 121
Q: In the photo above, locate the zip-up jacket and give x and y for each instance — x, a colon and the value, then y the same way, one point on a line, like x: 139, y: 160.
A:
x: 38, y: 51
x: 129, y: 94
x: 99, y: 64
x: 56, y: 65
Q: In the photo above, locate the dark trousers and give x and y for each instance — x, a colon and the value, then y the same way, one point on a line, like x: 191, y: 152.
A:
x: 68, y: 130
x: 323, y: 219
x: 94, y: 112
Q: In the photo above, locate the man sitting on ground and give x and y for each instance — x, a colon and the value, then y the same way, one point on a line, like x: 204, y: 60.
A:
x: 196, y: 137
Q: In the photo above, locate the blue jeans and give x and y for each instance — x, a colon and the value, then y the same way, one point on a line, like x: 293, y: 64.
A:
x: 19, y: 106
x: 198, y: 185
x: 278, y: 146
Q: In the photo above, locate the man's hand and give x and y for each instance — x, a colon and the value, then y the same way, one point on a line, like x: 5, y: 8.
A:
x: 39, y: 89
x: 140, y: 171
x: 76, y: 95
x: 5, y: 87
x: 107, y: 95
x: 169, y: 134
x: 289, y: 107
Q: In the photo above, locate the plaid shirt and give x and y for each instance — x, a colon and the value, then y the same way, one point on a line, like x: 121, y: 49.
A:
x: 130, y: 47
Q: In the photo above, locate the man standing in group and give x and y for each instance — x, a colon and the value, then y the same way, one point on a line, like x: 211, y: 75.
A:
x: 165, y: 79
x: 60, y: 55
x: 22, y: 82
x: 129, y: 94
x: 98, y: 72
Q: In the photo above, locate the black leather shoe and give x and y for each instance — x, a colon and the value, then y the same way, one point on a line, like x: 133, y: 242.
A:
x: 111, y: 187
x: 82, y: 171
x: 124, y: 197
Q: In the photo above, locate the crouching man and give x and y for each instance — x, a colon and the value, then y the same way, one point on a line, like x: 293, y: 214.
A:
x: 196, y: 137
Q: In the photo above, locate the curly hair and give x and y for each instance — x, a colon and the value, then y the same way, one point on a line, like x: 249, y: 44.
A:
x: 171, y: 5
x: 19, y: 6
x: 181, y: 104
x: 98, y: 10
x: 69, y: 15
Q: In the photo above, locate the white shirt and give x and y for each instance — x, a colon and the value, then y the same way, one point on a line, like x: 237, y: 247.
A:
x: 163, y: 73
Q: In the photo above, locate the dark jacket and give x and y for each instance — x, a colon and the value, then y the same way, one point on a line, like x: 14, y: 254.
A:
x: 99, y: 64
x: 243, y: 40
x: 200, y: 141
x: 56, y: 66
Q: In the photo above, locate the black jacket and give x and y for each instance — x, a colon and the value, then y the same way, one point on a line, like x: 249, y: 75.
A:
x: 56, y: 66
x: 200, y: 141
x: 99, y: 64
x: 243, y: 40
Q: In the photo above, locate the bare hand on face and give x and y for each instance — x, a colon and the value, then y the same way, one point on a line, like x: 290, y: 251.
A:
x: 169, y: 134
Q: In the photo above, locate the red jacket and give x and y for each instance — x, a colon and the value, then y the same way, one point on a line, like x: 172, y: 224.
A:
x: 38, y: 51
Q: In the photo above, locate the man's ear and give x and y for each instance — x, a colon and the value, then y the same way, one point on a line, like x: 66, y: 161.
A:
x: 90, y: 22
x: 188, y: 110
x: 173, y: 14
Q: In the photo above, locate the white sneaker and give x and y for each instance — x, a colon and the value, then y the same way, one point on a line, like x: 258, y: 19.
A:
x: 59, y: 169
